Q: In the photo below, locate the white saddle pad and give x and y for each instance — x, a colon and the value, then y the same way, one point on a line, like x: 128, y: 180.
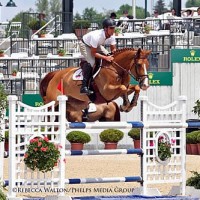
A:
x: 78, y: 75
x: 92, y: 107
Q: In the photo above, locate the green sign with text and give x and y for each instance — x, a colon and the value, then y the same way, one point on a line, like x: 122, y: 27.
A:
x: 158, y: 78
x: 34, y: 100
x: 185, y: 55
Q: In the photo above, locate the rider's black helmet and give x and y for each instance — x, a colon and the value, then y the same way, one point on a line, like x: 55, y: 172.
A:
x: 109, y: 23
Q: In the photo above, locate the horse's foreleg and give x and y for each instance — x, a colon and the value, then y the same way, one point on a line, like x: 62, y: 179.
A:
x: 135, y: 98
x: 126, y: 103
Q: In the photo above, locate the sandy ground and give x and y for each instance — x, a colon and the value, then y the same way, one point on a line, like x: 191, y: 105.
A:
x: 108, y: 166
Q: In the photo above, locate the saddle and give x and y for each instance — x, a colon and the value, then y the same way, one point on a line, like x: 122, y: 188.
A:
x: 78, y: 73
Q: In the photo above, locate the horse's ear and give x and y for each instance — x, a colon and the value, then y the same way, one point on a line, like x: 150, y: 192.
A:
x: 137, y: 55
x: 148, y: 52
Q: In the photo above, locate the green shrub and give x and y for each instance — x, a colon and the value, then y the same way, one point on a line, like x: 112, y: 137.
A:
x: 118, y: 30
x: 192, y: 137
x: 198, y: 137
x: 81, y: 24
x: 189, y: 139
x: 78, y: 137
x: 62, y: 51
x: 111, y: 135
x: 196, y: 108
x: 134, y: 133
x: 36, y: 24
x: 194, y: 181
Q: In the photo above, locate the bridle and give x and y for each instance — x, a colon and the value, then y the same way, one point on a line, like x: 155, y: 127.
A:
x: 138, y: 77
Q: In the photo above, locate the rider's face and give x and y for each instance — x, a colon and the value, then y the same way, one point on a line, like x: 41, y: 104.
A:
x: 109, y: 31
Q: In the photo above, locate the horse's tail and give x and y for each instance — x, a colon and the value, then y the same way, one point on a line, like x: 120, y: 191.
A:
x: 117, y: 113
x: 44, y: 84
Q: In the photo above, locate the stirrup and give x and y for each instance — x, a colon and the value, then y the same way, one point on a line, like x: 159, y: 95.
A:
x: 86, y: 91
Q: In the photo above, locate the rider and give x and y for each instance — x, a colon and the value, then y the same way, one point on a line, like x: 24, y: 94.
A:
x: 92, y: 46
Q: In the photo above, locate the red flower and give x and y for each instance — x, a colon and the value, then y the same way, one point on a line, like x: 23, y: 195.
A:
x: 151, y: 143
x: 173, y: 141
x: 35, y: 149
x: 46, y: 139
x: 39, y: 144
x: 33, y: 140
x: 44, y: 149
x: 25, y: 155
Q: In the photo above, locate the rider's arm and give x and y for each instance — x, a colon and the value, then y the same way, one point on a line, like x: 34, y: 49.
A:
x: 113, y: 48
x: 98, y: 55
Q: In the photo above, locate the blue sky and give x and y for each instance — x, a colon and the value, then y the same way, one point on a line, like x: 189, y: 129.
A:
x: 79, y: 5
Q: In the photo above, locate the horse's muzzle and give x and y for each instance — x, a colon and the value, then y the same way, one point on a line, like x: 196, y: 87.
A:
x: 144, y: 84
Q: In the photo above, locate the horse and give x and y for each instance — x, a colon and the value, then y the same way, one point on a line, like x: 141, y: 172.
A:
x: 104, y: 111
x: 111, y: 82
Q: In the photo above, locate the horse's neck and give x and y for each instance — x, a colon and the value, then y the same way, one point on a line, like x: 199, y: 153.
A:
x: 122, y: 63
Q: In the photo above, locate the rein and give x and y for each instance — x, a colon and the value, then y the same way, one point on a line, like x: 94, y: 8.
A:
x: 129, y: 72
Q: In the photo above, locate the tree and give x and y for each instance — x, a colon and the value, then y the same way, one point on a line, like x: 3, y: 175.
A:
x: 42, y: 6
x: 77, y: 16
x: 122, y: 8
x: 55, y: 6
x: 140, y: 13
x: 170, y: 5
x: 89, y: 14
x: 192, y: 3
x: 160, y: 7
x: 93, y: 16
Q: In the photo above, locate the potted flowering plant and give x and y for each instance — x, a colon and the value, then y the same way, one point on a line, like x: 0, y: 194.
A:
x: 118, y: 31
x: 42, y: 33
x: 147, y: 29
x: 14, y: 72
x: 164, y: 147
x: 61, y: 52
x: 41, y: 154
x: 1, y: 53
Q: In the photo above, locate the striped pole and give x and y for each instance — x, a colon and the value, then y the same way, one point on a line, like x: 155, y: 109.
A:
x: 103, y: 152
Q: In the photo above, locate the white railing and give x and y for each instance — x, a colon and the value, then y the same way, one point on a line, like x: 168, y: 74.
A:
x: 26, y: 122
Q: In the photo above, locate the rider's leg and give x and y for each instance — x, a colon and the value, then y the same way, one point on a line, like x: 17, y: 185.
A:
x: 87, y: 73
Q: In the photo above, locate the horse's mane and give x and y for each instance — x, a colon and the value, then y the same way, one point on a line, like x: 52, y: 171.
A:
x: 119, y: 51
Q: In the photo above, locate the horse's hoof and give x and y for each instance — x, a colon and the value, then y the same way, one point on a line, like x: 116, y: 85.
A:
x: 134, y: 104
x: 130, y: 108
x: 84, y: 118
x: 122, y: 108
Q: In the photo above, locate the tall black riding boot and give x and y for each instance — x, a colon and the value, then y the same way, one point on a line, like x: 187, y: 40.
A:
x: 87, y: 73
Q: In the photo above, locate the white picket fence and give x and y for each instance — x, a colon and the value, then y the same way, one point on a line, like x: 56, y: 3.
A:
x: 26, y: 122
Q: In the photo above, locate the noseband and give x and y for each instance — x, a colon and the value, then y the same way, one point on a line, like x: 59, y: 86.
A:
x: 138, y: 76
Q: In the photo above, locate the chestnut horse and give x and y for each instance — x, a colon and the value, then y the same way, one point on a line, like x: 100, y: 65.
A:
x: 104, y: 111
x: 112, y: 81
